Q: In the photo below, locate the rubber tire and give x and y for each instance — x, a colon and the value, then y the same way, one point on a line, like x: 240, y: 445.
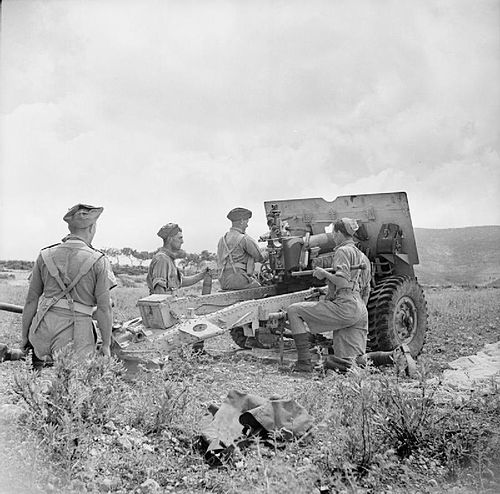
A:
x: 239, y: 337
x: 382, y: 333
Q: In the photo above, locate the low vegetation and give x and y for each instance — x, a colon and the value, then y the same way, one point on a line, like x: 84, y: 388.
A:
x: 94, y: 430
x: 6, y: 265
x: 101, y: 431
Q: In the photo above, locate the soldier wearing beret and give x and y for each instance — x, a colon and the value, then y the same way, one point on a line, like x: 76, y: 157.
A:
x: 237, y: 253
x: 70, y: 282
x: 343, y: 312
x: 163, y: 275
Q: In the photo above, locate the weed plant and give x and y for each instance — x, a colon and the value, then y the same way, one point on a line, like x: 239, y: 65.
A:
x: 370, y: 431
x: 373, y: 431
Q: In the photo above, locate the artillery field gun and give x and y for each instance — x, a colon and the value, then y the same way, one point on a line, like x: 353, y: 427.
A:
x: 298, y: 240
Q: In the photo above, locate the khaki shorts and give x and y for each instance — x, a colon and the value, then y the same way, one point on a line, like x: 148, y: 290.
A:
x: 58, y: 329
x: 346, y: 317
x: 229, y: 280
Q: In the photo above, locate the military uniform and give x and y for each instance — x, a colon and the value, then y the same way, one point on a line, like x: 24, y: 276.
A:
x: 163, y: 274
x: 68, y: 279
x: 344, y: 310
x: 237, y: 253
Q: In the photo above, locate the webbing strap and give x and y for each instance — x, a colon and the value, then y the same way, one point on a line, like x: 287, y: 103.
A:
x: 54, y: 272
x: 230, y: 252
x: 358, y: 271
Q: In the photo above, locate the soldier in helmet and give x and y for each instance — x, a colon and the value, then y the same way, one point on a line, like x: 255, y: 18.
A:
x: 70, y: 281
x: 237, y: 253
x: 343, y: 311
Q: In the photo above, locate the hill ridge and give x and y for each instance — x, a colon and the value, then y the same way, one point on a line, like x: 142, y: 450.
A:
x: 464, y: 255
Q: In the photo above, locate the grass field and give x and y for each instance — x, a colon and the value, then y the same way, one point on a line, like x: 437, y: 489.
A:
x: 370, y: 434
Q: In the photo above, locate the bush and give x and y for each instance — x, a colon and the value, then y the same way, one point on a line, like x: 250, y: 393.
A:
x: 127, y: 281
x: 130, y: 270
x: 375, y: 431
x: 70, y: 409
x: 97, y: 428
x: 20, y: 265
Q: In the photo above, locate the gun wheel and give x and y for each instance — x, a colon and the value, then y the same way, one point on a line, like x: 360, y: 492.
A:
x: 239, y: 337
x: 397, y: 313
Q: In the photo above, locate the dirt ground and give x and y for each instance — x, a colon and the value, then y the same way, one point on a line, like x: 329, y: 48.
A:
x: 461, y: 322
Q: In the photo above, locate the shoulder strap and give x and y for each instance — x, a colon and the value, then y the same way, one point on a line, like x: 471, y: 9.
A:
x: 54, y: 272
x: 65, y: 290
x: 358, y: 260
x: 50, y: 246
x: 230, y: 251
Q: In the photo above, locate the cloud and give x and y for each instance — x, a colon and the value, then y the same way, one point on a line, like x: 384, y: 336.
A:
x: 179, y: 111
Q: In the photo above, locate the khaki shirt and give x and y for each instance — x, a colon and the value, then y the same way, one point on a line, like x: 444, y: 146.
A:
x: 347, y: 255
x: 68, y: 258
x: 239, y: 247
x: 163, y: 274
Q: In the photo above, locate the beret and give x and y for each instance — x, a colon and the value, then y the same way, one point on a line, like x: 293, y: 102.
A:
x: 169, y: 230
x: 351, y: 225
x: 82, y: 215
x: 239, y: 214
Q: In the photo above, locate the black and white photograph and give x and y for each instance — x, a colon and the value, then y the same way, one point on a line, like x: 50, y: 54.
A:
x: 249, y: 246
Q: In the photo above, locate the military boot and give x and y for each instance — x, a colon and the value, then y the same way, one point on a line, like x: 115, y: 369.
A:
x: 338, y: 364
x: 302, y: 344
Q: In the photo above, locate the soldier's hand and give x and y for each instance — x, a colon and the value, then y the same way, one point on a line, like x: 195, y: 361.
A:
x: 319, y: 273
x: 213, y: 272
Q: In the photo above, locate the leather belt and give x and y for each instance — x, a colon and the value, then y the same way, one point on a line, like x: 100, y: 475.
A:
x: 82, y: 308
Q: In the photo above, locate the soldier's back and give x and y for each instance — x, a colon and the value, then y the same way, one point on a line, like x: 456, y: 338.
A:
x: 69, y: 257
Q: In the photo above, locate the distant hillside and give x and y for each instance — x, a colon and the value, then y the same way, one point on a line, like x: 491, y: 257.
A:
x: 468, y: 255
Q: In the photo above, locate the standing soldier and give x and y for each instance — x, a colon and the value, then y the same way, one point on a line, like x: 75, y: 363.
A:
x: 163, y: 275
x: 70, y: 281
x: 237, y: 253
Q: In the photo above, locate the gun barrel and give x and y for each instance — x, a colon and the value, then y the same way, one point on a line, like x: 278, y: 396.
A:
x: 309, y: 272
x: 11, y: 308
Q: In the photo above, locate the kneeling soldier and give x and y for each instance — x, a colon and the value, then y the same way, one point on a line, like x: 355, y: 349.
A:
x: 343, y: 312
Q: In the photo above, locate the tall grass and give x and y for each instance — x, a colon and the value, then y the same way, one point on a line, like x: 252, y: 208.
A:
x: 369, y: 430
x: 102, y: 431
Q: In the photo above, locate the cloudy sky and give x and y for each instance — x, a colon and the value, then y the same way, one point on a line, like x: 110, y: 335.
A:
x: 181, y: 110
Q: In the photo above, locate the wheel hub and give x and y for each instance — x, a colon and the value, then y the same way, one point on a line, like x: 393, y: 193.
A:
x: 405, y: 319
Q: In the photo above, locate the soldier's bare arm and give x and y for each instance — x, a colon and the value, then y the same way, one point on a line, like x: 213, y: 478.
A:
x: 30, y: 307
x: 195, y: 278
x: 104, y: 314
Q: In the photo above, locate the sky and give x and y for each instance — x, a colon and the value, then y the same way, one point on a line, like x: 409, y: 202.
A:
x: 178, y: 111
